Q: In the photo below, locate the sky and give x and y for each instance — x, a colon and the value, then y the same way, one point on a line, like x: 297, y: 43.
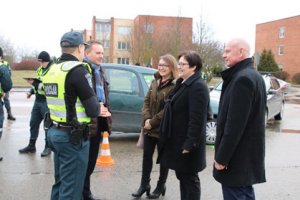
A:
x: 37, y: 25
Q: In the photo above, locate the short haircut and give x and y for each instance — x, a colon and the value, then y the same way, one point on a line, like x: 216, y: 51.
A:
x: 193, y: 58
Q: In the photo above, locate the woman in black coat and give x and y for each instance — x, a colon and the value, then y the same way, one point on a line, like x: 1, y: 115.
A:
x: 183, y: 126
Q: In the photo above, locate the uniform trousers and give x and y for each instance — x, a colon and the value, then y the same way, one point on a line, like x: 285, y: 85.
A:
x: 37, y: 115
x: 93, y: 155
x: 6, y: 101
x: 1, y: 118
x: 70, y: 164
x: 238, y: 193
x: 189, y: 185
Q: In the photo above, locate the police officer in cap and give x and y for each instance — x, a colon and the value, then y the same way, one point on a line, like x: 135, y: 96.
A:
x: 72, y: 103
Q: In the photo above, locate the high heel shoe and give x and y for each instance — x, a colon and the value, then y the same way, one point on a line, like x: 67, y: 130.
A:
x: 142, y: 189
x: 159, y: 190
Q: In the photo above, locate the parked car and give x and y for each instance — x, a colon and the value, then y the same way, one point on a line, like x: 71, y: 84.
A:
x: 128, y: 85
x: 274, y: 108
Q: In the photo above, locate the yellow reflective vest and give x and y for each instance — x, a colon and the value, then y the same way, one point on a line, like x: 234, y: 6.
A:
x: 54, y: 86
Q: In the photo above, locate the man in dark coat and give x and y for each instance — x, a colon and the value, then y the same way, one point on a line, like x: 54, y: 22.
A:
x: 240, y: 142
x: 93, y: 56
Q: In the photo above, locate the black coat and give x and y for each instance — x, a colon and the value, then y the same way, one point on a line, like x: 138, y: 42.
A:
x: 183, y: 126
x: 240, y: 141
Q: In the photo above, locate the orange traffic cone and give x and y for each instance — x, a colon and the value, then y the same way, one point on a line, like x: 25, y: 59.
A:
x: 105, y: 159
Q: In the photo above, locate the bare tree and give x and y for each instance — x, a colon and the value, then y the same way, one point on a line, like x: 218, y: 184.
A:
x: 210, y: 50
x: 8, y: 49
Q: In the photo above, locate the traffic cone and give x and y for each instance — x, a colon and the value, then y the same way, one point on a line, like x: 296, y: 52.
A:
x: 105, y: 159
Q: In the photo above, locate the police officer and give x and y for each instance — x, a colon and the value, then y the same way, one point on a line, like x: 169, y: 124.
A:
x: 6, y: 97
x: 40, y: 105
x: 72, y: 103
x: 5, y: 86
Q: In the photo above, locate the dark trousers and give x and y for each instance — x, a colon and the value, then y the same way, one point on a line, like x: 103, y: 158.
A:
x: 238, y: 193
x: 189, y: 185
x: 93, y: 155
x: 37, y: 115
x: 149, y: 146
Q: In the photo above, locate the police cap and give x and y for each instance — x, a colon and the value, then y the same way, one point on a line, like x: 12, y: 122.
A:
x: 72, y: 39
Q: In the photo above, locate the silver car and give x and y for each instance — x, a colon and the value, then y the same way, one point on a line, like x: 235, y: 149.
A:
x: 274, y: 108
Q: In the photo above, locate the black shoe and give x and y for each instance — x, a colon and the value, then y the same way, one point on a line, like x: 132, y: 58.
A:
x: 46, y: 152
x: 1, y: 158
x: 141, y: 191
x: 28, y: 149
x: 10, y: 117
x: 159, y: 190
x: 91, y: 197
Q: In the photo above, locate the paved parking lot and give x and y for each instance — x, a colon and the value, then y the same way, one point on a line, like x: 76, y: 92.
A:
x: 31, y: 176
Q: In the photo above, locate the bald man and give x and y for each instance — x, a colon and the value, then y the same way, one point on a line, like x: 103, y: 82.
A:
x: 240, y: 142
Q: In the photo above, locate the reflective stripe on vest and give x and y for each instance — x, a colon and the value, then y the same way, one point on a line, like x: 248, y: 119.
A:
x: 54, y: 85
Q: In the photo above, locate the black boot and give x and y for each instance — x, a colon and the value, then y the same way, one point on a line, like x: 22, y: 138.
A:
x: 10, y: 116
x: 30, y: 148
x: 159, y: 190
x: 144, y: 187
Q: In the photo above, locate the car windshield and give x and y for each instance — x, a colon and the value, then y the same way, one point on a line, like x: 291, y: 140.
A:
x: 148, y: 78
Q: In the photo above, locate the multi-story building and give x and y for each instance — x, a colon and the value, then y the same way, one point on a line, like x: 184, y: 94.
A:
x: 143, y: 39
x: 282, y: 37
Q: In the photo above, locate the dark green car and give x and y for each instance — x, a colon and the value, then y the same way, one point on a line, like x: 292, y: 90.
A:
x: 128, y: 85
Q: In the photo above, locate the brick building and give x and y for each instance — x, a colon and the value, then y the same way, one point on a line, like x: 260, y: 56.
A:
x: 282, y: 37
x: 142, y: 39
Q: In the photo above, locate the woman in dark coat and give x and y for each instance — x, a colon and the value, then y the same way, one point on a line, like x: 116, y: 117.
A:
x: 152, y: 112
x: 183, y: 126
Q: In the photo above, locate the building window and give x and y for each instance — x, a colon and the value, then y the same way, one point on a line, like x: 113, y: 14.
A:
x: 105, y: 59
x: 103, y: 27
x: 124, y: 30
x: 105, y: 44
x: 148, y: 28
x: 123, y: 61
x: 123, y: 45
x: 281, y: 50
x: 281, y: 32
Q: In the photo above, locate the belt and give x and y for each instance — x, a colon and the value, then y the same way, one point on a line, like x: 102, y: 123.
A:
x: 61, y: 126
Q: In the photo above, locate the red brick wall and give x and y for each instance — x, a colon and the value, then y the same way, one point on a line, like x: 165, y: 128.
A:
x: 267, y: 36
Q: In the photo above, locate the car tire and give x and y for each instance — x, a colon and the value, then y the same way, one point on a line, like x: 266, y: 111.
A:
x: 211, y: 132
x: 280, y: 115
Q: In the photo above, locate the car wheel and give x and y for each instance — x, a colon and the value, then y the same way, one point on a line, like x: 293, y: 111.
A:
x: 211, y: 131
x: 280, y: 115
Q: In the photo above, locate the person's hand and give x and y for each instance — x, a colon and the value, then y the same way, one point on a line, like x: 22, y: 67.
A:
x: 184, y: 151
x: 28, y: 95
x: 219, y: 166
x: 104, y: 111
x: 147, y: 124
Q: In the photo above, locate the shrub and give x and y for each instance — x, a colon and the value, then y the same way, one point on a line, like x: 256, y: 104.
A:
x: 282, y: 75
x: 296, y: 78
x: 26, y: 65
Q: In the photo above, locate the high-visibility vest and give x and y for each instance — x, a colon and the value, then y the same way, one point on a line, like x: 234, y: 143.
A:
x: 54, y: 86
x: 40, y: 73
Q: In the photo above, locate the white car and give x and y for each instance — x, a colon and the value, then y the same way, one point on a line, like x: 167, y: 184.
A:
x: 286, y: 87
x: 274, y: 107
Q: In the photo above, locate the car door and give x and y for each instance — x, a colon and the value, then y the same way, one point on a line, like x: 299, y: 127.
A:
x: 126, y: 99
x: 274, y: 97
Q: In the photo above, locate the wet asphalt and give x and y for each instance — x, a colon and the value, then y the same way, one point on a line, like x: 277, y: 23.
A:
x: 30, y: 176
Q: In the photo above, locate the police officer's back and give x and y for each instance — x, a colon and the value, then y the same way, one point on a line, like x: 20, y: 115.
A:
x: 71, y: 102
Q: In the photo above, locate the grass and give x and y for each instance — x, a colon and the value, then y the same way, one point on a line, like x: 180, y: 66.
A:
x: 18, y: 75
